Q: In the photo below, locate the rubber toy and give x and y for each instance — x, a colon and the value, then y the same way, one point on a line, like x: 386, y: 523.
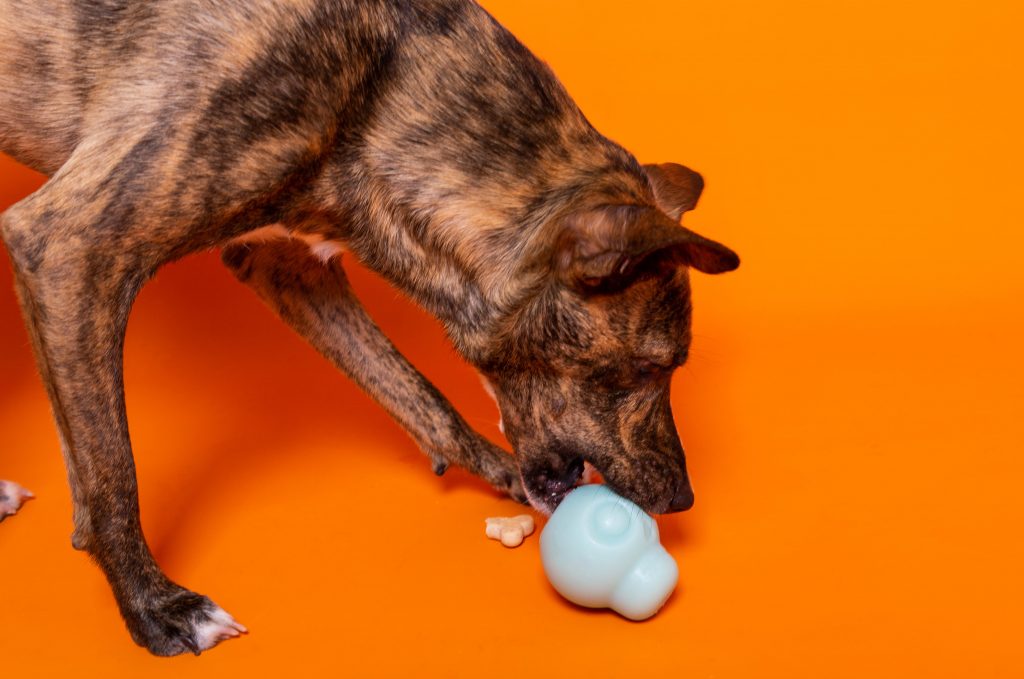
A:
x: 600, y: 550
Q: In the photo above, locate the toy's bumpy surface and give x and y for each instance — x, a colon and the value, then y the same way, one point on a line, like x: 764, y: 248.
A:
x: 602, y: 551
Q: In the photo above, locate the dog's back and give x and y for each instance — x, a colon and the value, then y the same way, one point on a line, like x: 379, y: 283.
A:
x: 71, y: 66
x: 40, y: 112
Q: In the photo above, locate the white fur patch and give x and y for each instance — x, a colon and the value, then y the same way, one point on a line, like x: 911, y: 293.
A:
x: 323, y: 249
x: 490, y: 392
x: 12, y: 496
x: 218, y: 627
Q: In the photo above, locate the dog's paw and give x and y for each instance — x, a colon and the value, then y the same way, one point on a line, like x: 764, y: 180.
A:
x: 183, y: 622
x: 481, y: 457
x: 12, y: 496
x: 513, y: 487
x: 499, y: 469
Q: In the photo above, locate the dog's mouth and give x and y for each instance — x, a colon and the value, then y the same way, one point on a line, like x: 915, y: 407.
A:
x: 547, y: 489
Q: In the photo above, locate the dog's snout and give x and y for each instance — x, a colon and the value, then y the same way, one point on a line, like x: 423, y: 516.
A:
x: 571, y: 475
x: 558, y: 483
x: 682, y: 500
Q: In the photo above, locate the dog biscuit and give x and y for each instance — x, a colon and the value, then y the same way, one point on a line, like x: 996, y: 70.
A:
x: 511, y: 531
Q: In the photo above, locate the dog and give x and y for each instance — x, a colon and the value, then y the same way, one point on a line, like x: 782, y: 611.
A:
x: 417, y: 135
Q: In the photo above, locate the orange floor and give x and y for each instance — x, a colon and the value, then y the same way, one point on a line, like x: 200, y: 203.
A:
x: 852, y: 411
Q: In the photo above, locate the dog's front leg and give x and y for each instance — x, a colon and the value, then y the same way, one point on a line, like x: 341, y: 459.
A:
x: 316, y: 300
x: 76, y: 283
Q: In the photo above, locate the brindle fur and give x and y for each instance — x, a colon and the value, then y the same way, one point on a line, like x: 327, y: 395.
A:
x: 418, y: 133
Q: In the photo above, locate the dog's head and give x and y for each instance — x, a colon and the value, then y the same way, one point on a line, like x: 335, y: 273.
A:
x: 584, y: 367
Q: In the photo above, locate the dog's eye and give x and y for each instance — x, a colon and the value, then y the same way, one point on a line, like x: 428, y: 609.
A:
x: 632, y: 374
x: 650, y: 369
x: 647, y: 367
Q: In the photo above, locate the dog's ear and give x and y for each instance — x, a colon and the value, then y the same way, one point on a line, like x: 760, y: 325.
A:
x: 676, y: 188
x: 605, y: 247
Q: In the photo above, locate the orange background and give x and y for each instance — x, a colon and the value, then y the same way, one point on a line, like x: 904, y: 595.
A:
x: 852, y: 410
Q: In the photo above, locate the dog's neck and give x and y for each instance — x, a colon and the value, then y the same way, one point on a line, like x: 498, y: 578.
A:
x: 472, y: 250
x: 459, y: 206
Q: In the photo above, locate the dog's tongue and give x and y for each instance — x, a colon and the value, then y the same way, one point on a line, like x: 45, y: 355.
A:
x: 590, y: 475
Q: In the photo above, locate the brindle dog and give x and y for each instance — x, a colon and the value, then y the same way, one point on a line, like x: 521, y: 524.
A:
x: 420, y: 136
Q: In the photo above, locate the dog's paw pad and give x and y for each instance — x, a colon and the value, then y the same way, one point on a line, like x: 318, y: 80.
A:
x: 217, y: 627
x: 12, y: 496
x: 511, y: 531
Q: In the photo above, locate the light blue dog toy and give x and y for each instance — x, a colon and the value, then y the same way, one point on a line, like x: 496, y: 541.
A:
x: 602, y: 551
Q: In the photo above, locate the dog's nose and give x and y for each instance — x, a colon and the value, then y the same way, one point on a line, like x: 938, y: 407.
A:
x: 683, y: 499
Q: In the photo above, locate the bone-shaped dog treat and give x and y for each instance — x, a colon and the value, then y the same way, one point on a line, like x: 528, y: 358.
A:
x: 510, y: 531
